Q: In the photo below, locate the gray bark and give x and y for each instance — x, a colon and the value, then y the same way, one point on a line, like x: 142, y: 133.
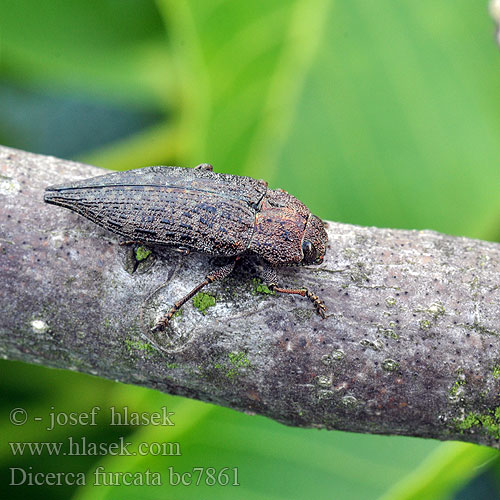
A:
x: 411, y: 345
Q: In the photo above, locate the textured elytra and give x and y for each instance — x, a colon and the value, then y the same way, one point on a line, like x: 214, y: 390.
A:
x: 196, y: 209
x: 218, y: 214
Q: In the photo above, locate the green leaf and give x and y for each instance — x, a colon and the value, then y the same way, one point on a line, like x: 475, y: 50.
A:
x: 107, y: 48
x: 444, y: 472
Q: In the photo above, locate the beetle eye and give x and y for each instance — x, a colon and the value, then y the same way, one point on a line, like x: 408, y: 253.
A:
x: 309, y: 252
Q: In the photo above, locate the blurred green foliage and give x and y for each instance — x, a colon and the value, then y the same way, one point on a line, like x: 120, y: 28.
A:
x: 376, y: 113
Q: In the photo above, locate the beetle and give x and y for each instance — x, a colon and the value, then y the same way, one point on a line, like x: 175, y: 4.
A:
x: 198, y: 209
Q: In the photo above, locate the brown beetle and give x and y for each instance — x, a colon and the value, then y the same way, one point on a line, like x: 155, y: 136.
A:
x: 198, y: 209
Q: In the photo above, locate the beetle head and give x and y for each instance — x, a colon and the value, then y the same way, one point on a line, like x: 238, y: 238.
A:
x: 314, y: 241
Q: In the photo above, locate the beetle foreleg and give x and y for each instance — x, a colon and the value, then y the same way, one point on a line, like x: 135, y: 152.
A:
x: 271, y: 279
x: 304, y: 292
x: 217, y: 275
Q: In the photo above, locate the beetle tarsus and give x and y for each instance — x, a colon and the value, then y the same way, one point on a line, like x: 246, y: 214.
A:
x: 318, y: 303
x: 303, y: 292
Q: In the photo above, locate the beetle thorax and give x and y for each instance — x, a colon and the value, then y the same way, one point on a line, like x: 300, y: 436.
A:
x: 279, y: 228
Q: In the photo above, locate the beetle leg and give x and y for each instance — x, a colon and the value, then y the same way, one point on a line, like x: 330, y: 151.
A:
x: 271, y: 279
x: 216, y: 275
x: 304, y: 292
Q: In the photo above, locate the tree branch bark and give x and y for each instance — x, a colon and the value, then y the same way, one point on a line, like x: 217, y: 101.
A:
x: 411, y: 345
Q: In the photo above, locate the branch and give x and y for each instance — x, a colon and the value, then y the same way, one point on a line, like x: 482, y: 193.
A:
x: 411, y: 345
